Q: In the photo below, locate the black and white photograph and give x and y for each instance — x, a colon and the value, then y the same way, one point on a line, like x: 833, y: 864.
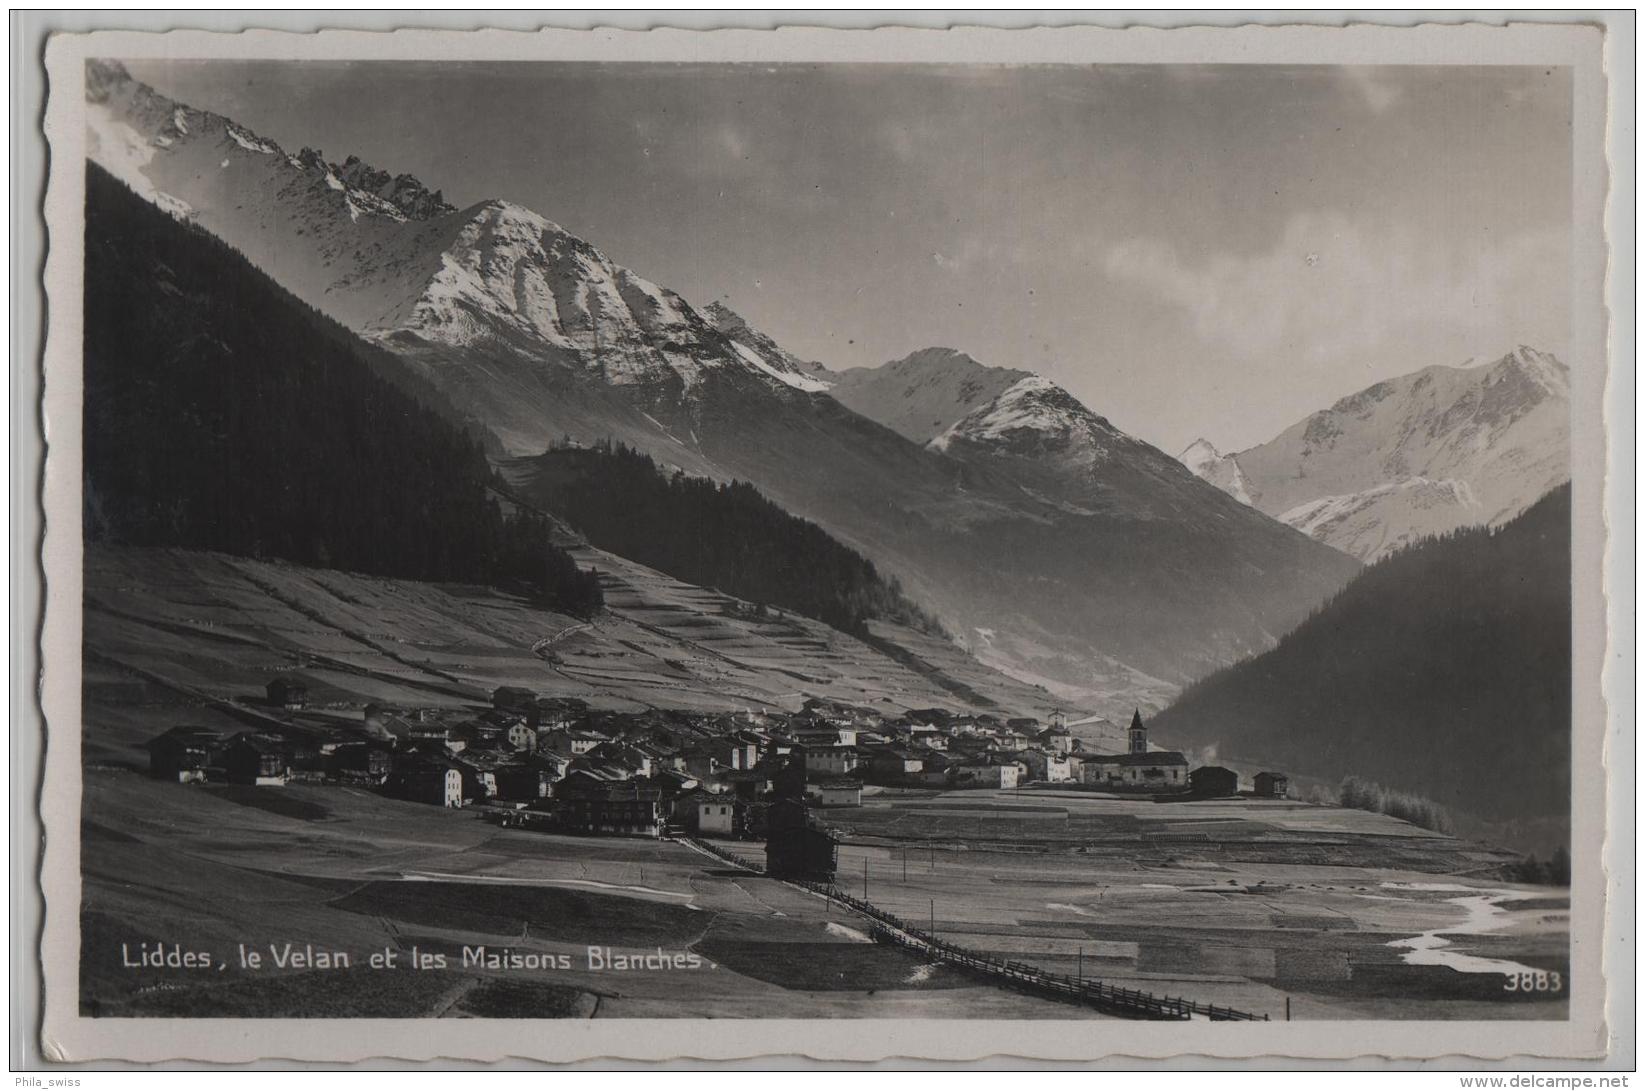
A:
x: 1019, y: 542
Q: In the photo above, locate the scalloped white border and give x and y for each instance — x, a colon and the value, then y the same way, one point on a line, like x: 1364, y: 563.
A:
x: 65, y: 1036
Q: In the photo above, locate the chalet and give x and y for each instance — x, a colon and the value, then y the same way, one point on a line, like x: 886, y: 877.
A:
x: 1046, y: 766
x: 1273, y: 785
x: 632, y: 760
x: 585, y: 780
x: 502, y: 718
x: 797, y: 846
x: 703, y: 762
x: 836, y: 793
x: 519, y: 781
x: 893, y: 765
x: 521, y: 737
x: 716, y: 816
x: 737, y: 752
x: 479, y: 773
x: 1213, y: 780
x: 360, y: 763
x: 184, y: 753
x: 551, y: 765
x: 713, y: 756
x: 427, y: 781
x: 622, y: 813
x: 750, y: 783
x: 928, y: 736
x: 573, y: 742
x: 934, y: 769
x: 661, y: 757
x: 1056, y: 739
x: 252, y: 758
x: 479, y: 735
x: 288, y: 692
x: 984, y: 773
x: 673, y: 783
x: 516, y: 699
x: 781, y: 745
x: 825, y: 737
x: 1023, y: 725
x: 429, y: 734
x: 830, y: 761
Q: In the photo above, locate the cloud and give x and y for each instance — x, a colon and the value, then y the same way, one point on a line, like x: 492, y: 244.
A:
x: 1331, y: 290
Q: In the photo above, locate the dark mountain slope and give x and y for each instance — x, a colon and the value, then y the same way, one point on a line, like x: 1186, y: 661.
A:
x: 1443, y: 670
x: 221, y: 413
x: 727, y: 537
x: 1047, y: 542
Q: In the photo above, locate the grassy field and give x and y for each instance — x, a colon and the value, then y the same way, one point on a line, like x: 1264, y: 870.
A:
x: 164, y: 623
x: 183, y: 865
x: 1239, y: 902
x: 1244, y: 903
x: 346, y: 870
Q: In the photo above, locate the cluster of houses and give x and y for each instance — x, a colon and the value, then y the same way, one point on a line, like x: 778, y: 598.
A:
x: 557, y: 763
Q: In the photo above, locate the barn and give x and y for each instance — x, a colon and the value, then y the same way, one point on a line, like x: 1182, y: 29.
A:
x: 1213, y: 780
x: 1273, y: 785
x: 796, y: 845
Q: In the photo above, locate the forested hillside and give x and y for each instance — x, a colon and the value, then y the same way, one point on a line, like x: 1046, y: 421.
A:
x: 728, y: 537
x: 1444, y: 670
x: 221, y: 413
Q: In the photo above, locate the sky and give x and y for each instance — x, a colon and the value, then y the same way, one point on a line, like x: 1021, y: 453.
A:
x: 1195, y: 251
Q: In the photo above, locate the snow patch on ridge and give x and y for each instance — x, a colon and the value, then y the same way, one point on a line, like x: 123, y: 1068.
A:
x: 798, y: 382
x: 1021, y: 406
x: 251, y: 144
x: 123, y: 152
x: 1211, y: 465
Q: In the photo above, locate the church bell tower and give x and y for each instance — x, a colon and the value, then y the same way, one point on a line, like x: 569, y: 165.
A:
x: 1139, y: 733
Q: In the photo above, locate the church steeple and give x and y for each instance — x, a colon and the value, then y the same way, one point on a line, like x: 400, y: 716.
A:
x: 1139, y: 733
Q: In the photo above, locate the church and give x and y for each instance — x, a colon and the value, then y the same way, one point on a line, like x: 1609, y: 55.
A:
x: 1138, y: 768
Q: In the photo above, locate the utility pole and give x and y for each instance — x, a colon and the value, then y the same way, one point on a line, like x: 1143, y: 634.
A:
x: 905, y: 863
x: 865, y: 878
x: 1079, y: 966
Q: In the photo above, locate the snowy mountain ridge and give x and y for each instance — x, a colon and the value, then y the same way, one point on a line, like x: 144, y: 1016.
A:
x: 1206, y: 462
x: 388, y: 257
x: 1411, y: 457
x: 530, y: 336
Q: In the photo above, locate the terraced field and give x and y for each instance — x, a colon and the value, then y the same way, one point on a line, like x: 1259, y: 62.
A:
x: 160, y: 624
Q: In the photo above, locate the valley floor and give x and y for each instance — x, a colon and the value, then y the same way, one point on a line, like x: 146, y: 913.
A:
x: 1258, y: 905
x: 216, y: 869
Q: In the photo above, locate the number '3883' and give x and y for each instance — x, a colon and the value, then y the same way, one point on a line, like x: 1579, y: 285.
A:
x: 1534, y: 981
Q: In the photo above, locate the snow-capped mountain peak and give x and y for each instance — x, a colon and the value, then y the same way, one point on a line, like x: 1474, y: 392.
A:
x: 1030, y: 415
x: 1200, y: 454
x: 393, y: 259
x: 1415, y: 455
x: 1205, y: 461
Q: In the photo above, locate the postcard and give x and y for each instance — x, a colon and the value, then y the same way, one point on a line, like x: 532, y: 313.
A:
x: 1064, y: 544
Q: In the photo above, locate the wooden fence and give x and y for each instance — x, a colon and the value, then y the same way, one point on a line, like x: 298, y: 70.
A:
x: 890, y: 929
